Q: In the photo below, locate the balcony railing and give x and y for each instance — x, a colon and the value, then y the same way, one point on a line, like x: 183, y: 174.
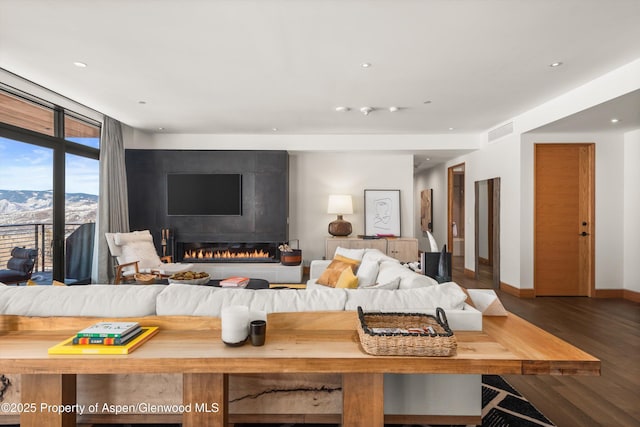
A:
x: 34, y: 236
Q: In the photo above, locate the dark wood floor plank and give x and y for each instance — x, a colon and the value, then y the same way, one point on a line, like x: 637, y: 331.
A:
x: 609, y: 329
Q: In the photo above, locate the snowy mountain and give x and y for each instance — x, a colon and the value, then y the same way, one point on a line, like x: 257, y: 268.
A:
x: 28, y: 207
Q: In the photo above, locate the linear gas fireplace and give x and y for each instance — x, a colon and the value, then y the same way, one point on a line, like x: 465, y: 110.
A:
x: 227, y: 252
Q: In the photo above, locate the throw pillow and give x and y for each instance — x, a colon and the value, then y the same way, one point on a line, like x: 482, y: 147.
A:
x: 367, y: 272
x: 356, y: 254
x: 392, y: 285
x: 347, y: 279
x: 330, y: 276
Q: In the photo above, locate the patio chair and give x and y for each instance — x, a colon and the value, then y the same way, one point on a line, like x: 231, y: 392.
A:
x: 135, y: 252
x: 20, y: 266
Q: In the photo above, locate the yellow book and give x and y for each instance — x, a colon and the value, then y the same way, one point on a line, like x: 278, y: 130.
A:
x: 68, y: 347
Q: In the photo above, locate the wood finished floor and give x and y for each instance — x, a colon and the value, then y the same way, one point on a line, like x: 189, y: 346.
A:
x: 609, y: 329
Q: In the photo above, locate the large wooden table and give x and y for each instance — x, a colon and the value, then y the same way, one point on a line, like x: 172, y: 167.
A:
x: 315, y: 342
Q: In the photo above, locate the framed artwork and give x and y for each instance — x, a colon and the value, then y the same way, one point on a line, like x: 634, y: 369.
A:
x: 426, y: 210
x: 382, y: 212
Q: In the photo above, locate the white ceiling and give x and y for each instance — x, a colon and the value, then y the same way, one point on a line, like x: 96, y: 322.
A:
x: 248, y: 66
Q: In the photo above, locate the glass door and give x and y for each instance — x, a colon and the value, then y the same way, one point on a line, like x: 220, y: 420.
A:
x: 26, y: 203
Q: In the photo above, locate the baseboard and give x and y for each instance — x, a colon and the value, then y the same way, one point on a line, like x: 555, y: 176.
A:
x: 617, y: 293
x: 632, y: 295
x: 469, y: 273
x: 520, y: 293
x: 608, y: 293
x: 484, y: 261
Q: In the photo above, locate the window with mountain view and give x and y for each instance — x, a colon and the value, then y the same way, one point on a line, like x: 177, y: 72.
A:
x: 32, y: 131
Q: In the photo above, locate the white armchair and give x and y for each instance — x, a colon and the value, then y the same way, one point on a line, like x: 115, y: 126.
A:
x: 134, y: 252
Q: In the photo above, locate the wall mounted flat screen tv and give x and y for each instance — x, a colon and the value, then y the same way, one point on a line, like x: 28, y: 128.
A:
x: 204, y: 194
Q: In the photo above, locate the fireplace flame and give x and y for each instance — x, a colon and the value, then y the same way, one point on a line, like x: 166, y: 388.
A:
x: 210, y: 254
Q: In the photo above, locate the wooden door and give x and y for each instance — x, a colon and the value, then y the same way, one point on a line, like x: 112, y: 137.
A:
x: 563, y: 235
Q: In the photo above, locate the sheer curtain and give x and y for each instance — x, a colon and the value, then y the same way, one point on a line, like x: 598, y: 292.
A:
x: 113, y: 209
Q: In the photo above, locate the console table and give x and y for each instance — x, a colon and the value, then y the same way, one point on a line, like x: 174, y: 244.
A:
x: 311, y: 342
x: 404, y: 249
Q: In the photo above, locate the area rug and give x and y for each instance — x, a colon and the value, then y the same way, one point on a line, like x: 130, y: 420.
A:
x: 503, y: 406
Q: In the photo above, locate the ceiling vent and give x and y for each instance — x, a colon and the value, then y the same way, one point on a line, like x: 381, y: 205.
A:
x: 501, y: 131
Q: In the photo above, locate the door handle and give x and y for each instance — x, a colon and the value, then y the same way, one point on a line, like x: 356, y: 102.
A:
x: 584, y: 233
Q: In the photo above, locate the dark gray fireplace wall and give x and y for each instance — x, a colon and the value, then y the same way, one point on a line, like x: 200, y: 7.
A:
x: 265, y: 194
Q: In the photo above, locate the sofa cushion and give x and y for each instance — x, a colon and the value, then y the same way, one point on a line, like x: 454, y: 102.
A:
x: 193, y: 300
x: 331, y: 275
x: 416, y: 280
x: 122, y: 239
x: 377, y: 256
x: 92, y: 300
x: 449, y: 296
x: 389, y: 270
x: 356, y: 254
x: 20, y: 264
x: 368, y: 272
x: 392, y: 285
x: 347, y: 279
x: 142, y: 252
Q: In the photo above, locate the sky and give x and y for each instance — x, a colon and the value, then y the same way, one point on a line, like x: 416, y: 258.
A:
x: 29, y: 167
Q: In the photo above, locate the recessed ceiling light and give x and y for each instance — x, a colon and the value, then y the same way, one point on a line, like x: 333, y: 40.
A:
x: 615, y: 120
x: 555, y: 64
x: 342, y: 109
x: 160, y: 129
x: 393, y: 109
x: 142, y: 102
x: 274, y: 129
x: 366, y: 110
x: 80, y: 64
x: 451, y: 128
x: 366, y: 64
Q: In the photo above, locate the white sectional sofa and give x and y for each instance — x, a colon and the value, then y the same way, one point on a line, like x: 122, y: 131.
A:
x: 439, y: 395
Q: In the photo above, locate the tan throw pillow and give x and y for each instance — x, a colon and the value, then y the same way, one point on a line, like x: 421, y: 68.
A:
x: 330, y: 276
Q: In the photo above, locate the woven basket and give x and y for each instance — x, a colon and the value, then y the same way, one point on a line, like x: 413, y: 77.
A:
x: 440, y: 343
x: 145, y: 278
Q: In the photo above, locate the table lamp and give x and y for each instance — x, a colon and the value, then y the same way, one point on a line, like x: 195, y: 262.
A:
x: 340, y: 204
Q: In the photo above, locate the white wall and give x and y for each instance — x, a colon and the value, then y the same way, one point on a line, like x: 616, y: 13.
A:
x: 632, y: 211
x: 313, y: 176
x: 436, y: 179
x: 500, y: 159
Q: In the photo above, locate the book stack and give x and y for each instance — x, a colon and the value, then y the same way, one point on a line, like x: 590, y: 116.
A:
x: 234, y: 282
x: 108, y: 333
x: 106, y: 338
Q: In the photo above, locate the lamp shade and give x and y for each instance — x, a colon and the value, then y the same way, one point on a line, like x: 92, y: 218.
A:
x: 340, y: 204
